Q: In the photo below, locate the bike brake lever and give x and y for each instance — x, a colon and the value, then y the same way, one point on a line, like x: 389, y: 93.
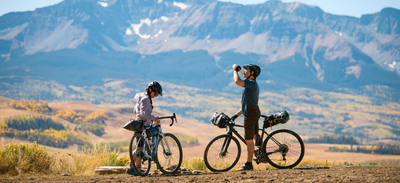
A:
x: 172, y: 119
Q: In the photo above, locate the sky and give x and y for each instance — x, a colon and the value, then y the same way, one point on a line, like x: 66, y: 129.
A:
x: 354, y: 8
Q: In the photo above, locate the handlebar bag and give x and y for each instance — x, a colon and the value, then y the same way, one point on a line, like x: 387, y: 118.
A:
x: 281, y: 117
x: 220, y: 119
x: 135, y: 125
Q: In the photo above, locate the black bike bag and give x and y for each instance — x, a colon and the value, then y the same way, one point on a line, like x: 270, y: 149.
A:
x: 279, y: 118
x: 135, y: 125
x: 220, y: 119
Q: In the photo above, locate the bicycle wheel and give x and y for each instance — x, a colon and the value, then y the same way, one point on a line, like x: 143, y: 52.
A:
x: 222, y: 153
x: 283, y: 149
x: 169, y: 154
x: 143, y: 168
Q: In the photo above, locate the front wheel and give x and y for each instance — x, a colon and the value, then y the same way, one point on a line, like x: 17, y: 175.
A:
x: 169, y: 154
x: 143, y: 163
x: 222, y: 153
x: 283, y: 149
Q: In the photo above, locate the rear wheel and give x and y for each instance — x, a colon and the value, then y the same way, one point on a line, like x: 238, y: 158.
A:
x: 222, y: 153
x: 144, y: 163
x: 169, y: 154
x: 283, y: 149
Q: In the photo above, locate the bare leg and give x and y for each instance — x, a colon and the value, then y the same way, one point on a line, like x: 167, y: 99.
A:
x: 250, y: 150
x: 137, y: 160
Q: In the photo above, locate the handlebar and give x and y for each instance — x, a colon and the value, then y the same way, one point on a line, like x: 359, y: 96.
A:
x: 266, y: 116
x: 171, y: 117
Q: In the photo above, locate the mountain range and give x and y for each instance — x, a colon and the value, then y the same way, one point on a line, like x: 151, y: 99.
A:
x: 106, y: 51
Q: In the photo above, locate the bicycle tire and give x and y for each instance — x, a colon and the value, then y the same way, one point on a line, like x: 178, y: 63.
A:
x: 223, y: 162
x: 169, y: 163
x: 145, y: 163
x: 290, y: 150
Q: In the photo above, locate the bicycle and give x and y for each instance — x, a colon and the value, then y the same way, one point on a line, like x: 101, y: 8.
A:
x: 164, y: 149
x: 282, y: 148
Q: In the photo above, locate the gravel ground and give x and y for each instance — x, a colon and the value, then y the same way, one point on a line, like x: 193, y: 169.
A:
x: 333, y: 174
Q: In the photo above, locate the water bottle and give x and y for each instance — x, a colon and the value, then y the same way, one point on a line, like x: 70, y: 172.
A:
x: 234, y: 66
x: 258, y: 140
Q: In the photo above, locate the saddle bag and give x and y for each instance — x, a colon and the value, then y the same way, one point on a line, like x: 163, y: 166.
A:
x: 135, y: 125
x: 220, y: 119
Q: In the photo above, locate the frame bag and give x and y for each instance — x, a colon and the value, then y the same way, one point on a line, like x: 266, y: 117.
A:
x: 153, y: 131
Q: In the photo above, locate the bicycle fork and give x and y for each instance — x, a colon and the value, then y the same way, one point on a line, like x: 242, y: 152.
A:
x: 225, y: 146
x: 164, y: 146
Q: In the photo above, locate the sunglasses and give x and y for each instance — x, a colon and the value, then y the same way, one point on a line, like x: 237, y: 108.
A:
x: 155, y: 94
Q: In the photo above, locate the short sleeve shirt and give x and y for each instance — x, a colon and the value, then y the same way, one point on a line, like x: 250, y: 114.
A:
x: 250, y: 94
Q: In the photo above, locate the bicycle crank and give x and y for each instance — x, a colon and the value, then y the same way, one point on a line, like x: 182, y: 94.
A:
x: 260, y: 156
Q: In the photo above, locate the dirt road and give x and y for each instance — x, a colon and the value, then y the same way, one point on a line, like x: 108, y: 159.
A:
x: 335, y: 174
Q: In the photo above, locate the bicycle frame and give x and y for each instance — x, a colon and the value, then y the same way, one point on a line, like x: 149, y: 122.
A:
x: 232, y: 131
x: 164, y: 144
x: 281, y: 148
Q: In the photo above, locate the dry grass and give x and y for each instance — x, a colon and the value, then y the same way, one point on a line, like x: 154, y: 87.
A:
x: 195, y: 163
x: 85, y: 164
x: 17, y: 159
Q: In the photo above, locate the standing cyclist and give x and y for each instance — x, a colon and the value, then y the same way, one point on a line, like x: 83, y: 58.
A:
x: 250, y: 109
x: 143, y: 110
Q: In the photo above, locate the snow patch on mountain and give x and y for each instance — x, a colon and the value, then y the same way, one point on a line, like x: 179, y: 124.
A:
x: 10, y: 33
x: 159, y: 32
x: 180, y: 5
x: 164, y: 18
x: 128, y: 31
x: 103, y: 4
x: 392, y: 65
x: 65, y: 35
x: 136, y: 28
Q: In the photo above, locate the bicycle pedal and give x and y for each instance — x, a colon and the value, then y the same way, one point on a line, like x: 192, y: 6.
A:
x: 256, y: 160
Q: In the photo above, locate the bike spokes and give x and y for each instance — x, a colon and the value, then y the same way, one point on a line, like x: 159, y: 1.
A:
x: 222, y: 153
x: 284, y: 149
x: 169, y: 154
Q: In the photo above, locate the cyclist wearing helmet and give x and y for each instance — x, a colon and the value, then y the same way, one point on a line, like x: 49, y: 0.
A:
x: 144, y: 103
x: 250, y: 109
x: 143, y: 110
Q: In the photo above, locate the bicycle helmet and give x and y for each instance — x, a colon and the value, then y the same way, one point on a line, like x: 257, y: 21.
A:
x: 255, y: 68
x: 156, y: 87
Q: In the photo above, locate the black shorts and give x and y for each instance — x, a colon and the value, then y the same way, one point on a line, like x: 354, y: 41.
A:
x: 251, y: 125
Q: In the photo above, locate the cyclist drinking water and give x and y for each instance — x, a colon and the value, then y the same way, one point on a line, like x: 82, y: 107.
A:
x: 250, y: 109
x: 143, y: 110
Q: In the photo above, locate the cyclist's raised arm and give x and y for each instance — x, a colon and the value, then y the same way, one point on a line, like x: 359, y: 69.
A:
x: 237, y: 79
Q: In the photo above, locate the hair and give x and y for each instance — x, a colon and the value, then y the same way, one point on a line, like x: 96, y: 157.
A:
x: 149, y: 93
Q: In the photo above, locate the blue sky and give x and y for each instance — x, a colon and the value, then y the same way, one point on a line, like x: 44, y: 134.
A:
x: 354, y: 8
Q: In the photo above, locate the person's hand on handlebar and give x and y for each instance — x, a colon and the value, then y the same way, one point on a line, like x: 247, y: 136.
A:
x: 157, y: 121
x: 234, y: 117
